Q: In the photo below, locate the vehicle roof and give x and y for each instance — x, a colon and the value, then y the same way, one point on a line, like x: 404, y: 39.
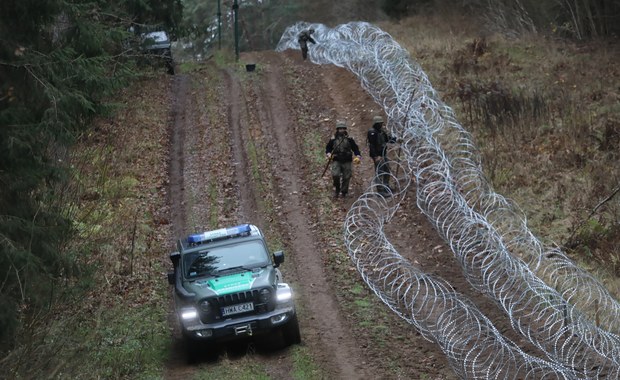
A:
x: 185, y: 246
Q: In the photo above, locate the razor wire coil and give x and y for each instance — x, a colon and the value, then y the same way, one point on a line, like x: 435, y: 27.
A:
x: 561, y: 309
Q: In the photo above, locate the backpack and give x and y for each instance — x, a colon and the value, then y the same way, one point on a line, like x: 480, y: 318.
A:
x: 376, y: 141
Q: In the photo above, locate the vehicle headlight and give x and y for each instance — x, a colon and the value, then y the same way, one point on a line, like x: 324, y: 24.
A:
x: 284, y: 294
x: 189, y: 314
x: 265, y: 296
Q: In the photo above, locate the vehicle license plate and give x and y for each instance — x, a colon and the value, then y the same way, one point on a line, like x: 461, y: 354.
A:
x: 236, y: 309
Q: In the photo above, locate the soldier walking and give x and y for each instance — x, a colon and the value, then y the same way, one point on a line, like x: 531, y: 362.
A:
x: 377, y: 139
x: 340, y: 151
x: 304, y: 37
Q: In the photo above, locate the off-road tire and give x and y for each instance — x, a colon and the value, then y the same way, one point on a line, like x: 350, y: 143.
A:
x: 196, y: 351
x: 192, y: 351
x: 290, y: 332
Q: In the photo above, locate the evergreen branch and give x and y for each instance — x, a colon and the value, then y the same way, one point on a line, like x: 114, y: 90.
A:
x: 45, y: 85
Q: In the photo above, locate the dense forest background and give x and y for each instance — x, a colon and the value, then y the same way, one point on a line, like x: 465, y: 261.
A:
x: 62, y: 62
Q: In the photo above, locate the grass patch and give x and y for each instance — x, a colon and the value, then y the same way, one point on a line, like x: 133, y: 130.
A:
x: 189, y: 67
x: 254, y: 165
x: 224, y: 58
x: 245, y: 368
x: 113, y: 342
x: 127, y: 345
x: 304, y: 367
x: 357, y: 289
x: 314, y: 144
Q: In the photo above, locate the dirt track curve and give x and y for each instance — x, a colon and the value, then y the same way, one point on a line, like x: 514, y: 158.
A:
x: 240, y: 152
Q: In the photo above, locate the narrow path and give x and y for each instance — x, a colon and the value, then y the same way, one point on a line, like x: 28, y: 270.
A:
x: 237, y: 121
x: 176, y: 368
x: 324, y: 329
x: 276, y: 365
x: 176, y: 163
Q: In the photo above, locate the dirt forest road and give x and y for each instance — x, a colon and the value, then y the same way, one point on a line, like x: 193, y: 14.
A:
x: 247, y: 147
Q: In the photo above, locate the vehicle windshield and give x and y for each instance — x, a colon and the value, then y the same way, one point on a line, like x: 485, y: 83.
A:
x: 156, y: 36
x: 155, y: 40
x: 249, y: 254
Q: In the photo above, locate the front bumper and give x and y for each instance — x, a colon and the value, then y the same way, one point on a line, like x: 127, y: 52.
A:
x: 238, y: 327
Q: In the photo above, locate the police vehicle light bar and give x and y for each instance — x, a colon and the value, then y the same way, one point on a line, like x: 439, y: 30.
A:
x: 222, y: 233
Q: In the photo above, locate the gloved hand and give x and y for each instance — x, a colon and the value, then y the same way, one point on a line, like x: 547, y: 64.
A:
x: 328, y: 156
x: 357, y: 160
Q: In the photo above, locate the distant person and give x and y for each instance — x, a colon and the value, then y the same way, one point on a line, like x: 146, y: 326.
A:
x: 304, y: 37
x: 377, y: 139
x: 340, y: 151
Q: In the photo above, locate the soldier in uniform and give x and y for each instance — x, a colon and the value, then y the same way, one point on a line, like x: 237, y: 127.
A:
x: 377, y: 139
x: 304, y: 37
x: 340, y: 150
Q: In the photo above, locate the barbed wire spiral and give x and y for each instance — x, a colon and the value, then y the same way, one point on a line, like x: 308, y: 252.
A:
x: 561, y: 309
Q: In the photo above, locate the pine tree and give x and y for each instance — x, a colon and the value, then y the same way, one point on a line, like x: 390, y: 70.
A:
x: 59, y: 63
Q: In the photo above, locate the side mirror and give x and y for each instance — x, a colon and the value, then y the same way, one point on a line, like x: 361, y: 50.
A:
x: 175, y: 257
x: 278, y: 258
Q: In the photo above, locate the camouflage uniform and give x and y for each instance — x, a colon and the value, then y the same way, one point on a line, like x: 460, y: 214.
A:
x: 341, y: 149
x: 377, y: 139
x: 303, y: 39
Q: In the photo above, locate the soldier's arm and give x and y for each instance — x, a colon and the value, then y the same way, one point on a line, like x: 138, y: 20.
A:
x: 372, y: 143
x: 329, y: 147
x: 354, y: 147
x: 311, y: 40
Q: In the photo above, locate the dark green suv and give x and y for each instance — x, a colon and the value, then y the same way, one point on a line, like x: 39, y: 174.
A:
x: 227, y: 286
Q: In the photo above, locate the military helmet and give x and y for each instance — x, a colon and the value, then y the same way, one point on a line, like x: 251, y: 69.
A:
x: 377, y: 120
x: 341, y: 124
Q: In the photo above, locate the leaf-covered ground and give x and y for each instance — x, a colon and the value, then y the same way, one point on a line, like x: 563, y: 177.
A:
x: 216, y: 145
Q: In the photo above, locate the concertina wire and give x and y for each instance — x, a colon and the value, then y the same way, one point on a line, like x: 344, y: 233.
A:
x: 560, y: 308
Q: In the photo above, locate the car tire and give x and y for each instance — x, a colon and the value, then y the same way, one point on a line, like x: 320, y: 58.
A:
x: 192, y: 351
x: 290, y: 332
x: 196, y: 351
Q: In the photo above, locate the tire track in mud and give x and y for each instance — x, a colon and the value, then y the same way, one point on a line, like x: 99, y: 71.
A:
x: 208, y: 151
x: 237, y: 119
x: 323, y: 327
x: 278, y: 367
x: 176, y: 162
x: 175, y: 367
